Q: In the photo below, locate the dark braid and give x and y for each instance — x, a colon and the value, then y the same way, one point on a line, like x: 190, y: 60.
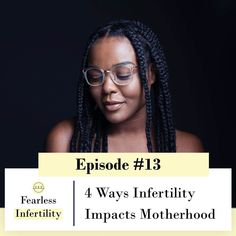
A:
x: 90, y: 133
x: 142, y: 73
x: 166, y: 119
x: 82, y: 117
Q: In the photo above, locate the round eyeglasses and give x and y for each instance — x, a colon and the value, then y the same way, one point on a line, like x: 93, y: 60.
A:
x: 121, y: 74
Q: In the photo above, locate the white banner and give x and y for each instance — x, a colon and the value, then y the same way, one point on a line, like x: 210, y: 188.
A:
x: 36, y: 203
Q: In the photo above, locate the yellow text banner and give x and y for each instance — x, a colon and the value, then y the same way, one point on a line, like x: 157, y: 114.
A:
x: 123, y: 164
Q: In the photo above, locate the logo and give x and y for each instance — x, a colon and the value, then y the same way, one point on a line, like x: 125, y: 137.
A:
x: 38, y: 187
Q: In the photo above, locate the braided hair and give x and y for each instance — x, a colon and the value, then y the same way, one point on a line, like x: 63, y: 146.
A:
x: 90, y: 132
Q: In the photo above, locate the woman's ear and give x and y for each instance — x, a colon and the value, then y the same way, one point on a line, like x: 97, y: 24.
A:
x: 151, y: 75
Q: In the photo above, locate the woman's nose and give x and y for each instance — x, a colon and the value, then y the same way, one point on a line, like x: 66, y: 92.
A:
x: 109, y: 86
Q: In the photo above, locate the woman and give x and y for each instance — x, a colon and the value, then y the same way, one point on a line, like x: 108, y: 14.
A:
x: 123, y: 102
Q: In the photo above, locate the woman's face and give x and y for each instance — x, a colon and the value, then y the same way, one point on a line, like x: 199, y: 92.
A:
x: 118, y: 103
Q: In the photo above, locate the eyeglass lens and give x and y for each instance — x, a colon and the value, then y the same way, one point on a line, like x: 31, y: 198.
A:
x: 121, y: 75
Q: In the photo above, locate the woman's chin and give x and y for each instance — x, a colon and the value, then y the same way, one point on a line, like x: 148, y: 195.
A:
x: 114, y: 118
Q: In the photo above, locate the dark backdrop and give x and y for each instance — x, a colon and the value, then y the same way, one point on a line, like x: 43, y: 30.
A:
x: 41, y: 47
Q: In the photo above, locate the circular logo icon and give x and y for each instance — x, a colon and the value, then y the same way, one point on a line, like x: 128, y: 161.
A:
x: 38, y: 187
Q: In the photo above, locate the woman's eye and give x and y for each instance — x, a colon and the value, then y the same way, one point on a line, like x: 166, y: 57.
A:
x: 94, y: 75
x: 123, y: 77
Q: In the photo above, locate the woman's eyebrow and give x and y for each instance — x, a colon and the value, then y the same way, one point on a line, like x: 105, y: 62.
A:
x: 118, y: 64
x: 123, y: 63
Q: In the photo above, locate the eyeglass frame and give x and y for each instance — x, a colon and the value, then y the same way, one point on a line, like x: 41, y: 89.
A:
x: 114, y: 77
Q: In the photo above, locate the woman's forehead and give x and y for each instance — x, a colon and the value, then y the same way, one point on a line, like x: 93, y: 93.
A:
x: 111, y: 50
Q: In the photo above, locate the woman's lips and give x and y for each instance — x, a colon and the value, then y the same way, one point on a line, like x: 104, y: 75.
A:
x: 112, y: 106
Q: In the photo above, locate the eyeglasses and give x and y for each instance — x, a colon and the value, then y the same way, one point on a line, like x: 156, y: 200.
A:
x: 121, y: 74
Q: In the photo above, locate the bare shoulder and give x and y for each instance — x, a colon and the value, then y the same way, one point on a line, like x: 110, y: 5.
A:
x: 187, y: 142
x: 59, y: 137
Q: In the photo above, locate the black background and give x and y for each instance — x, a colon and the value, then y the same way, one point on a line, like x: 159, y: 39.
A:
x: 41, y: 47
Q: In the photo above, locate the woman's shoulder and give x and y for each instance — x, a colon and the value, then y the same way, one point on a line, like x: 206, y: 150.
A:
x: 59, y: 137
x: 187, y: 142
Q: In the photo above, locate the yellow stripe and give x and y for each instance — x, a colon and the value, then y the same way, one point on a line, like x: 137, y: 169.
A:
x: 76, y: 164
